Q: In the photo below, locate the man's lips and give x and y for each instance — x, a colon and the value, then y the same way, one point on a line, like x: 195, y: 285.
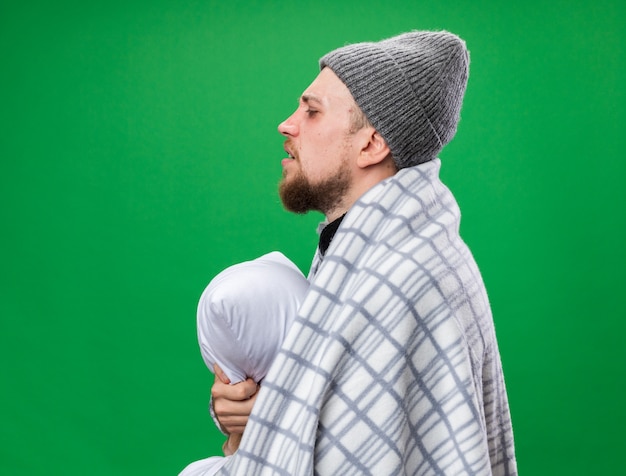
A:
x: 289, y: 159
x: 289, y: 150
x: 286, y: 161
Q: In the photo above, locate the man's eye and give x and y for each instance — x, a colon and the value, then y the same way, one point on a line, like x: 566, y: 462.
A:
x: 311, y: 112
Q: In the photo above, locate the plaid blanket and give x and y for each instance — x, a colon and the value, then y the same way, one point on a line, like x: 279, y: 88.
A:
x: 392, y: 365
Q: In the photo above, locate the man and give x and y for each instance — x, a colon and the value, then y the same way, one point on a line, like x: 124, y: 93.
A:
x: 392, y: 364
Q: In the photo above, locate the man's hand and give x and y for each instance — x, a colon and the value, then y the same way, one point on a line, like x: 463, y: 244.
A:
x: 232, y: 404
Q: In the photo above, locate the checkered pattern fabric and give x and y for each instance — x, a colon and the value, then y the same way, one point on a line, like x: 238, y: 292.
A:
x: 392, y: 366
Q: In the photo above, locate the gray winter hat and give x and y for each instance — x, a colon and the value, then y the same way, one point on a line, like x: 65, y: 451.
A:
x: 410, y: 87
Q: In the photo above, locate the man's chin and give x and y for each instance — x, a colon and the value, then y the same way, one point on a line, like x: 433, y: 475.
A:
x: 295, y: 194
x: 300, y: 196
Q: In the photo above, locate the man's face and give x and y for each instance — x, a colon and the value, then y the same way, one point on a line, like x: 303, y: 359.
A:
x: 318, y: 172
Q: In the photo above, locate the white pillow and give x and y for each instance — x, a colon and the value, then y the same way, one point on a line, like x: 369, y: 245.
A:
x: 245, y: 313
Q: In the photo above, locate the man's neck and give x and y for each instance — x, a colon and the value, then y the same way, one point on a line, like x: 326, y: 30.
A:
x: 361, y: 184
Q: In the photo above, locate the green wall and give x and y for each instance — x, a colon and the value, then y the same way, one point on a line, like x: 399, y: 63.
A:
x: 139, y: 156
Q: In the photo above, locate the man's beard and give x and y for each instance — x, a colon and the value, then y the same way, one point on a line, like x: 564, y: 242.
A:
x: 299, y: 195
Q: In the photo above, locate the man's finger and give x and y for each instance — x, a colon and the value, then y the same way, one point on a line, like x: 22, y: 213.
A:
x: 220, y: 374
x: 236, y: 392
x: 233, y: 415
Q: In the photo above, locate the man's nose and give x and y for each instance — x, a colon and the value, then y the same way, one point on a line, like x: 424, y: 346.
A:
x: 288, y: 127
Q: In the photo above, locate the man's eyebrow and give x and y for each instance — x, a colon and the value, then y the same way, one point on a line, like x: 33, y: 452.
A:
x: 307, y: 98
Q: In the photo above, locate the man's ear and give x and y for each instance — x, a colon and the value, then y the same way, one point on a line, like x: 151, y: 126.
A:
x: 375, y: 149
